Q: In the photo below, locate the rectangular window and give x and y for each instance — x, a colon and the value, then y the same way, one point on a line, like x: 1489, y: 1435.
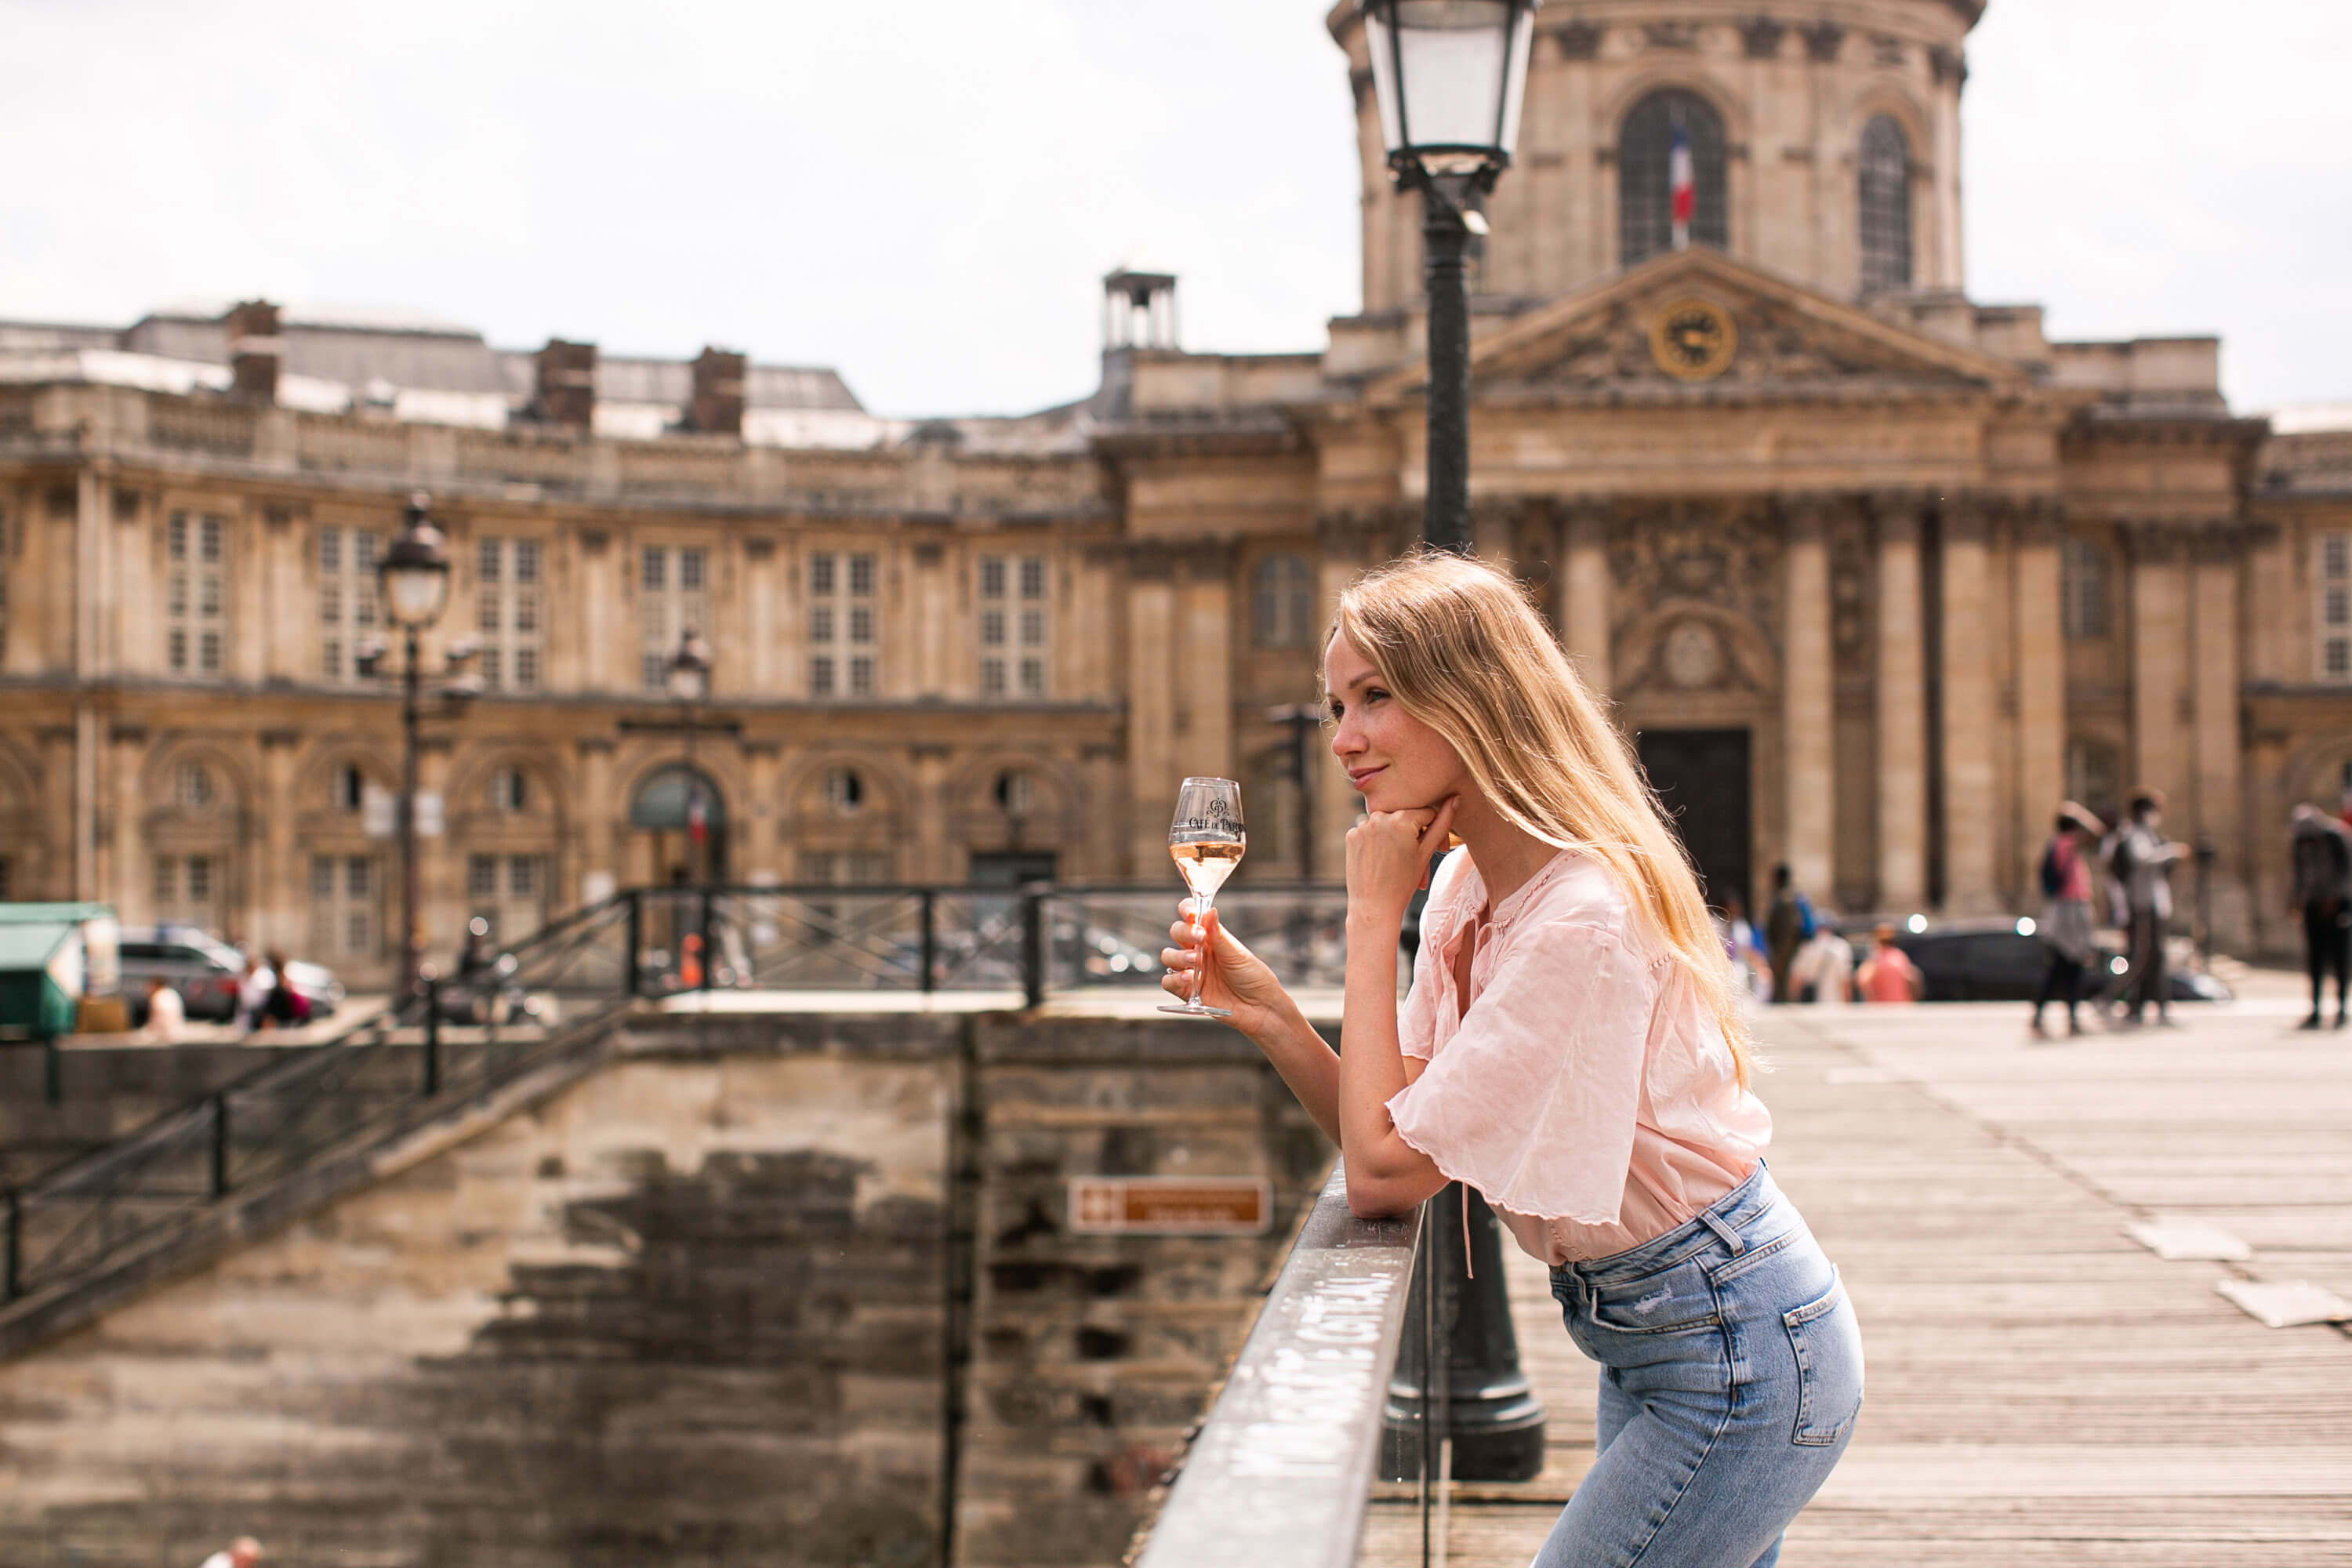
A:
x: 167, y: 881
x: 195, y: 597
x: 481, y: 876
x: 674, y: 599
x: 842, y: 625
x: 506, y: 614
x: 343, y: 906
x: 200, y: 878
x: 2083, y: 590
x: 2333, y: 611
x: 347, y: 598
x: 999, y: 577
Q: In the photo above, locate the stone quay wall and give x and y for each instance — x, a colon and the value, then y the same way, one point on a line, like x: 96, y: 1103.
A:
x: 762, y: 1289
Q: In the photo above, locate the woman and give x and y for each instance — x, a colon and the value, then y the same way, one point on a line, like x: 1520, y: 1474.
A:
x: 1571, y: 1048
x: 2065, y: 927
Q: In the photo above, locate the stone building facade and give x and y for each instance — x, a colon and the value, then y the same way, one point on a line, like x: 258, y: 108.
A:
x: 1877, y: 572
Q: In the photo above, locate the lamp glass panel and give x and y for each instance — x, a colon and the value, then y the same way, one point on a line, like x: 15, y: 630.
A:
x: 1381, y: 40
x: 1515, y: 77
x: 1454, y: 52
x: 414, y: 595
x: 685, y: 682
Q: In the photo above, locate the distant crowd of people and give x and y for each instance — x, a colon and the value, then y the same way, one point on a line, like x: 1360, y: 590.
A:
x: 2091, y: 875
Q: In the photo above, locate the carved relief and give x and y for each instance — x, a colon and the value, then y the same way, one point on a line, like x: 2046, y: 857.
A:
x: 1579, y: 40
x: 1768, y: 345
x: 1946, y: 65
x: 1696, y: 552
x: 1671, y: 35
x: 1849, y: 600
x: 1885, y: 50
x: 1823, y: 40
x: 1761, y: 36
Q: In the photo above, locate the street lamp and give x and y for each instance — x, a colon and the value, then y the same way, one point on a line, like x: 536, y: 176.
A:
x: 414, y: 576
x: 1451, y: 76
x: 689, y: 682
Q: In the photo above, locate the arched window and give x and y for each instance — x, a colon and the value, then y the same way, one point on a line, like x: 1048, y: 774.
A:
x: 1645, y: 211
x: 1282, y: 603
x: 510, y: 790
x: 1886, y: 205
x: 1015, y: 792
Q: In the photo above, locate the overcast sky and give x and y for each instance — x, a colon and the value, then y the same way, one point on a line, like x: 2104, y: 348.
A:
x: 924, y: 194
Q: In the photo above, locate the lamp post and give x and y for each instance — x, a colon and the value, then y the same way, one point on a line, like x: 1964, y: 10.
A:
x: 413, y: 577
x: 689, y: 682
x: 1451, y: 76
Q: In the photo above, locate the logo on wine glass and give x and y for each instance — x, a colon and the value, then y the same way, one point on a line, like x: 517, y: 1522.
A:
x: 1220, y: 815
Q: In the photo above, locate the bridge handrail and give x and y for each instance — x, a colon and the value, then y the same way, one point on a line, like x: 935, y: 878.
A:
x: 1282, y: 1468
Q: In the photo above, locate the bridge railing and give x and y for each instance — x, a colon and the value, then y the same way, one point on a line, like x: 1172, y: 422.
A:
x: 1320, y: 1427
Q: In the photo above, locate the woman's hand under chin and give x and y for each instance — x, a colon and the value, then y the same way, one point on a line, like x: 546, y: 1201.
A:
x: 1388, y: 859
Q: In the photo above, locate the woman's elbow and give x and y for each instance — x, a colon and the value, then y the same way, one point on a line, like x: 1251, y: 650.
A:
x: 1366, y: 1201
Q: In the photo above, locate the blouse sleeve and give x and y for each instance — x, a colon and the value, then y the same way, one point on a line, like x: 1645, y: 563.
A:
x: 1533, y: 1101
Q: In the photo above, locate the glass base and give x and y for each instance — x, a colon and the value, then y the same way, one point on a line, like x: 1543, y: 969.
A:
x: 1195, y: 1010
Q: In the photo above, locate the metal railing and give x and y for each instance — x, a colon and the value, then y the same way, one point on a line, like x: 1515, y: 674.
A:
x: 1322, y: 1414
x: 476, y: 1031
x: 384, y: 1076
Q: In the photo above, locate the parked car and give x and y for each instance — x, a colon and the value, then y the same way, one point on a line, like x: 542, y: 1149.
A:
x: 1998, y: 959
x: 203, y: 971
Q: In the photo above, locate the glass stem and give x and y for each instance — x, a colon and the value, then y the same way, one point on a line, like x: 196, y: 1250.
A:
x: 1200, y: 975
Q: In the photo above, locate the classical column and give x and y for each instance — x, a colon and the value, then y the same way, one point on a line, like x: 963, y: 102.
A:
x: 2040, y: 661
x: 932, y: 811
x: 1584, y: 591
x: 1204, y: 668
x: 280, y: 892
x: 1970, y: 818
x: 132, y: 879
x: 2220, y: 819
x: 597, y: 811
x: 1152, y: 678
x: 2159, y: 655
x: 934, y: 600
x: 1902, y: 713
x: 1807, y: 704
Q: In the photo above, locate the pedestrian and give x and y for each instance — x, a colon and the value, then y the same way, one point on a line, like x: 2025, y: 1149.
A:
x: 1822, y: 972
x: 284, y: 1007
x: 2139, y: 860
x: 167, y: 1014
x: 255, y: 982
x: 2065, y: 927
x: 243, y: 1552
x: 2323, y: 895
x: 1888, y: 974
x: 1751, y: 974
x: 1786, y: 925
x: 1572, y: 1048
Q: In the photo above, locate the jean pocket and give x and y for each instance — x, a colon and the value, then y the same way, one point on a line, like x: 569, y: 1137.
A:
x: 1674, y: 1300
x: 1828, y: 1344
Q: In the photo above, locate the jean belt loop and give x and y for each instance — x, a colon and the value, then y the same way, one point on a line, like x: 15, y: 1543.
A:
x: 1722, y: 1229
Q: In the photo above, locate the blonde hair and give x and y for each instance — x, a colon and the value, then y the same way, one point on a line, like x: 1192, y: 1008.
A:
x: 1461, y: 648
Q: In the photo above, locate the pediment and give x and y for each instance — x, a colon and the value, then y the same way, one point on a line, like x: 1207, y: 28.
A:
x: 1699, y: 320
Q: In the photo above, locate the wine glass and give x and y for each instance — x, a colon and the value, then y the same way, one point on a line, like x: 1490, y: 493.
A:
x: 1206, y: 840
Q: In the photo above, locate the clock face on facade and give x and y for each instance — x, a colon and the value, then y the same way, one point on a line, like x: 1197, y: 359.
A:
x: 1694, y: 340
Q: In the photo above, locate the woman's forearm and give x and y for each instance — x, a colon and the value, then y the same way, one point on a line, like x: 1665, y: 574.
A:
x: 1385, y: 1173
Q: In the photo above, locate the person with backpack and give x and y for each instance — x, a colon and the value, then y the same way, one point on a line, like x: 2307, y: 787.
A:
x: 2065, y: 927
x: 2140, y: 860
x: 2322, y: 857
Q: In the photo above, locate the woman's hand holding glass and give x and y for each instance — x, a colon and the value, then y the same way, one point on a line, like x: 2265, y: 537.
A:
x: 1231, y: 978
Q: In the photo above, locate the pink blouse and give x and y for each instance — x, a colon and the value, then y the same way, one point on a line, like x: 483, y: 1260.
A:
x: 1586, y: 1092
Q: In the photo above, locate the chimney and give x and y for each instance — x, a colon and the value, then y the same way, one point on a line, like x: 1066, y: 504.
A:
x: 567, y: 384
x: 255, y: 350
x: 717, y: 406
x: 1139, y: 310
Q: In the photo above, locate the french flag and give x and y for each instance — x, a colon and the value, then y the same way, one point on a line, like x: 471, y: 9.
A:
x: 1680, y: 186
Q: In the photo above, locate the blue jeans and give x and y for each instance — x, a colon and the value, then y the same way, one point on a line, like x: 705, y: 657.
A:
x: 1731, y: 1375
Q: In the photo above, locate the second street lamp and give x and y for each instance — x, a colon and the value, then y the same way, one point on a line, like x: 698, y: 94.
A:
x: 689, y: 682
x: 414, y: 578
x: 1450, y: 78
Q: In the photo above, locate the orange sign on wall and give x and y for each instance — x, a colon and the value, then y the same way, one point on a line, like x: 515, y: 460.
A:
x: 1171, y: 1205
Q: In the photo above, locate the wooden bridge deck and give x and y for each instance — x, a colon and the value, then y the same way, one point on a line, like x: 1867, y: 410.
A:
x: 2041, y: 1388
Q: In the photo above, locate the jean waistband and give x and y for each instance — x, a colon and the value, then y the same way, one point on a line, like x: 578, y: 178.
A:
x: 1729, y: 1217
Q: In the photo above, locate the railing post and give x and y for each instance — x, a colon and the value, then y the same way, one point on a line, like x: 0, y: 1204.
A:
x: 11, y: 1245
x: 220, y: 1145
x: 432, y: 1035
x: 929, y: 944
x: 630, y: 962
x: 710, y: 959
x: 1032, y: 944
